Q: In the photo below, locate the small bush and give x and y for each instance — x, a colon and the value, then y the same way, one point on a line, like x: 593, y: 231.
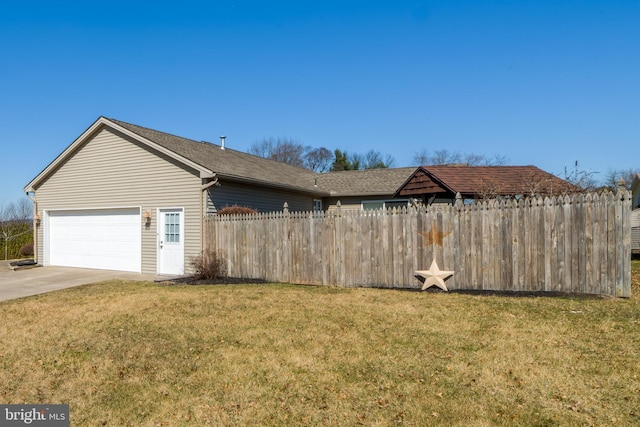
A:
x: 236, y: 210
x: 27, y: 250
x: 209, y: 265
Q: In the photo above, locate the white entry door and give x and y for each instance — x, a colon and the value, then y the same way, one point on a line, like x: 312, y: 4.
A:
x: 171, y: 241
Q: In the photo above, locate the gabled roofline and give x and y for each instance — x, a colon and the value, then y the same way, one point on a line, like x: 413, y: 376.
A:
x: 103, y: 121
x: 431, y: 175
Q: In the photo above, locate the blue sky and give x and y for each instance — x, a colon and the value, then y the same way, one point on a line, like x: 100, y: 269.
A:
x: 540, y: 82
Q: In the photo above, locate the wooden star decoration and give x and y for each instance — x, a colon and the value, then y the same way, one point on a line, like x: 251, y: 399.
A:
x: 434, y: 236
x: 434, y: 277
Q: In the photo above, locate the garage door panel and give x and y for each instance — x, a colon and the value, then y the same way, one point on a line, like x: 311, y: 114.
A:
x: 104, y: 239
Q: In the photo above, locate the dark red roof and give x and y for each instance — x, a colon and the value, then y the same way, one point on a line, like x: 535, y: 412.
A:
x: 483, y: 181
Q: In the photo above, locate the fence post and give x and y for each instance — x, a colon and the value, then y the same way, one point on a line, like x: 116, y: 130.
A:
x: 623, y: 239
x: 457, y: 282
x: 286, y: 245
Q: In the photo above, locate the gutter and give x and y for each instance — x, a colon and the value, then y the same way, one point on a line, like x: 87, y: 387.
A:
x: 245, y: 180
x: 203, y: 188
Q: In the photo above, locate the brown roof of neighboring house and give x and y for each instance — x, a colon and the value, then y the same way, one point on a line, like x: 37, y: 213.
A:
x: 482, y: 181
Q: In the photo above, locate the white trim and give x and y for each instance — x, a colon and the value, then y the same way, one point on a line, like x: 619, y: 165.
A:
x: 92, y: 208
x: 45, y: 237
x: 46, y: 247
x: 159, y: 232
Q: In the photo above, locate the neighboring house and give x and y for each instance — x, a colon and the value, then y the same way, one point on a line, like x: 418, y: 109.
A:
x: 635, y: 192
x: 125, y: 197
x: 364, y: 189
x: 635, y: 215
x: 440, y: 184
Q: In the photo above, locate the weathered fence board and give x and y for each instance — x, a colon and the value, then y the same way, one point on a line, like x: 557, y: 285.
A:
x: 578, y: 244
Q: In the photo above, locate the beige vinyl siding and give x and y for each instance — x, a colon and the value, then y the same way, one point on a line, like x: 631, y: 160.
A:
x: 112, y: 170
x: 635, y: 230
x: 260, y: 198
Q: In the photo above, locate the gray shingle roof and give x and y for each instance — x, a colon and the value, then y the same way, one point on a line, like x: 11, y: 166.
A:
x: 364, y: 182
x: 231, y: 164
x: 236, y: 165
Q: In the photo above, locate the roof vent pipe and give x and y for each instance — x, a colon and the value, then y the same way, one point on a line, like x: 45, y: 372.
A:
x: 222, y: 138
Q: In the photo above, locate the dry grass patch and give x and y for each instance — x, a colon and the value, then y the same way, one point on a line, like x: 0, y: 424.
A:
x: 125, y: 353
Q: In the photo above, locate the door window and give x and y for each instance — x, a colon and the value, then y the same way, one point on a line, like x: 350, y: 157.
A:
x: 172, y: 228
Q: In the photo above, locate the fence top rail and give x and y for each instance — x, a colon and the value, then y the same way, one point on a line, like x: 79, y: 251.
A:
x: 606, y: 197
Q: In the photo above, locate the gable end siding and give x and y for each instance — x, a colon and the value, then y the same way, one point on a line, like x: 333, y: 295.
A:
x: 111, y: 170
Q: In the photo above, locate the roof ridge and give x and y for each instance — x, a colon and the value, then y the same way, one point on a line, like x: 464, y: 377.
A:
x: 152, y: 130
x: 243, y: 153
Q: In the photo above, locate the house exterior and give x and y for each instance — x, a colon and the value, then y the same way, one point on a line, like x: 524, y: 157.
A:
x: 635, y: 192
x: 364, y: 189
x: 125, y: 197
x: 130, y: 198
x: 441, y: 183
x: 635, y: 215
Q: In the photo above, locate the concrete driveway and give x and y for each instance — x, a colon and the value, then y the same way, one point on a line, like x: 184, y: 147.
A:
x: 38, y: 280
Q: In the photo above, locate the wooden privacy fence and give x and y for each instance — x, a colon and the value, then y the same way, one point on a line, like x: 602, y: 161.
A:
x: 576, y: 243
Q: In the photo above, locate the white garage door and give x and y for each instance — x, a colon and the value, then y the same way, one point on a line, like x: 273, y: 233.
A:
x: 107, y: 239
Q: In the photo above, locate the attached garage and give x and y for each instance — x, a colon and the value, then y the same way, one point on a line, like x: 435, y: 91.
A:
x: 108, y: 239
x: 128, y: 198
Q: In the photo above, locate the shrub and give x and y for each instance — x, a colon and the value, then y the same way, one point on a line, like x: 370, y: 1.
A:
x: 209, y: 265
x: 27, y: 250
x: 236, y: 210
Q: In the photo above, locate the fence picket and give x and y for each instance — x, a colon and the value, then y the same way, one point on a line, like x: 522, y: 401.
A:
x: 578, y: 243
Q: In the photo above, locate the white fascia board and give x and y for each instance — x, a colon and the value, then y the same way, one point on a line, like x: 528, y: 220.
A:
x: 102, y: 121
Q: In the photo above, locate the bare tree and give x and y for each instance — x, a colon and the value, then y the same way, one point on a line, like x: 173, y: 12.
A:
x: 376, y: 160
x: 292, y: 152
x: 613, y: 176
x: 445, y: 157
x: 421, y: 157
x: 14, y: 222
x: 499, y: 160
x: 581, y: 178
x: 318, y: 159
x: 24, y: 209
x: 282, y: 149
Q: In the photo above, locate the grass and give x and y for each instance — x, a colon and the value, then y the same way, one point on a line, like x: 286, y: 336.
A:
x: 144, y: 354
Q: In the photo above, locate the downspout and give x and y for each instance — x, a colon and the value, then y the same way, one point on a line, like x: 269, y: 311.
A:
x: 35, y: 226
x: 204, y: 188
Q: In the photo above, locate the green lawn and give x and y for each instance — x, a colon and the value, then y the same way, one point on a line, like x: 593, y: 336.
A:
x: 144, y: 354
